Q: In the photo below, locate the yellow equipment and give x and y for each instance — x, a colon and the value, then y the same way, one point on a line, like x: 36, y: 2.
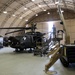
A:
x: 65, y: 52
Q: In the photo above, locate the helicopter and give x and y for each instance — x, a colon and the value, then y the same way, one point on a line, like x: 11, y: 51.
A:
x: 28, y: 40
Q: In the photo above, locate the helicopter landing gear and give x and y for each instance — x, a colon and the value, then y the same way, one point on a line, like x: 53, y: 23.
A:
x: 19, y: 50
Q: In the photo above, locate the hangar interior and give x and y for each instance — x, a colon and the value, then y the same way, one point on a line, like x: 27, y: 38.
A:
x: 22, y: 13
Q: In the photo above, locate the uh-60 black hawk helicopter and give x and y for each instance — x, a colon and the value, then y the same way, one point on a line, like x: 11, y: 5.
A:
x: 28, y: 40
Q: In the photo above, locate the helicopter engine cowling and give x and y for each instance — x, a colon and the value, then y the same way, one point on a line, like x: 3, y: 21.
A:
x: 22, y: 42
x: 27, y: 42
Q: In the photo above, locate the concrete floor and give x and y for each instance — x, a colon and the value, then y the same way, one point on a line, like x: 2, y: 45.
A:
x: 26, y: 64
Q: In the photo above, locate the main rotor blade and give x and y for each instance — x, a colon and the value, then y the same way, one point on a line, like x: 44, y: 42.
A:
x: 13, y: 32
x: 18, y: 28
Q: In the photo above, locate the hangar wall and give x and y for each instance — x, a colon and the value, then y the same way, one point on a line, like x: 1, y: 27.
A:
x: 53, y: 16
x: 71, y: 29
x: 69, y: 16
x: 44, y: 27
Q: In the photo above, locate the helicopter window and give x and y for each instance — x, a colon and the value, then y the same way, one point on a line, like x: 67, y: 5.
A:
x: 24, y: 38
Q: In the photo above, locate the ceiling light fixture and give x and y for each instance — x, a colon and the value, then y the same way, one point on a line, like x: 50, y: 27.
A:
x: 62, y: 11
x: 25, y: 8
x: 44, y: 10
x: 21, y: 17
x: 33, y: 0
x: 39, y: 5
x: 5, y: 12
x: 26, y: 20
x: 36, y: 15
x: 14, y: 15
x: 27, y: 25
x: 57, y: 2
x: 48, y: 13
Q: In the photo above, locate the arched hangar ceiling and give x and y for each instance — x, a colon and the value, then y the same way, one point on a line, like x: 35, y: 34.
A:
x: 18, y: 12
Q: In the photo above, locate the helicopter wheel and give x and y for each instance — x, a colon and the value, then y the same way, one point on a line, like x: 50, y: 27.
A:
x: 40, y: 53
x: 30, y: 51
x: 64, y: 62
x: 16, y: 50
x: 19, y: 50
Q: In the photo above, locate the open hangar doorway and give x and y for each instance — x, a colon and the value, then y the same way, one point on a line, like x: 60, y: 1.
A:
x: 47, y: 27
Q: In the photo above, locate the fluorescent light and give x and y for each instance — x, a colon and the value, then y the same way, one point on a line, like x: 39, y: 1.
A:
x: 39, y: 5
x: 21, y: 17
x: 33, y: 0
x: 25, y: 8
x: 5, y: 12
x: 36, y: 15
x: 48, y: 13
x: 44, y: 10
x: 14, y: 15
x: 26, y: 20
x: 57, y: 2
x: 27, y: 25
x: 62, y: 11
